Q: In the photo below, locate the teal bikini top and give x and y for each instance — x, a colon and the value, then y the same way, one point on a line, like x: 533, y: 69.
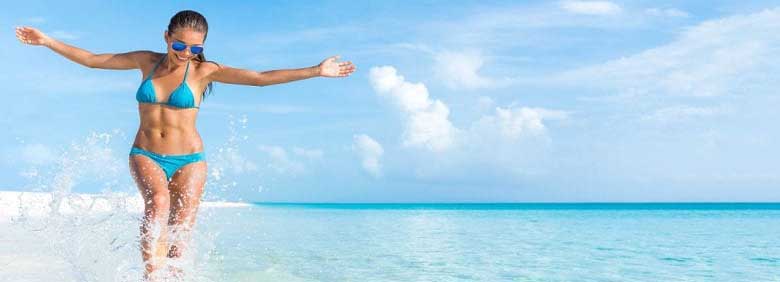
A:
x: 181, y: 97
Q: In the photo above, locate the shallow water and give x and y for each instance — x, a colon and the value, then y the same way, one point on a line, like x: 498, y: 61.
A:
x: 685, y: 242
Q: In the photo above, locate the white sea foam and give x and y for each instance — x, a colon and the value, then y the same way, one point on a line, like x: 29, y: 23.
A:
x: 73, y: 230
x: 40, y: 204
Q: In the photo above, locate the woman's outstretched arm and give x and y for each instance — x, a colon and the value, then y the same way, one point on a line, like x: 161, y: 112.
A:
x: 327, y: 68
x: 123, y: 61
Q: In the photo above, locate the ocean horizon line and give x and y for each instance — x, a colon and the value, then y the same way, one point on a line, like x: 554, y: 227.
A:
x: 522, y: 205
x: 535, y: 205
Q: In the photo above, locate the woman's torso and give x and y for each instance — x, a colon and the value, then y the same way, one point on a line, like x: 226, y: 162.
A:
x: 166, y: 129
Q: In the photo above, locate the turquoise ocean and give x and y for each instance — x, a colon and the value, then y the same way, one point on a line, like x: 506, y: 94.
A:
x: 418, y: 242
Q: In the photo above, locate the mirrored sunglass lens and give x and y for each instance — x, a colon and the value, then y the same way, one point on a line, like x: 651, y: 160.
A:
x: 196, y: 49
x: 178, y: 46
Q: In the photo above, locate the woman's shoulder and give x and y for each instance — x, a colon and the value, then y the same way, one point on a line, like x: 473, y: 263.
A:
x: 146, y: 58
x: 206, y: 67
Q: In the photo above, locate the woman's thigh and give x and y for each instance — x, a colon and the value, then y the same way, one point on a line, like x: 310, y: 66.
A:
x: 186, y: 189
x: 151, y: 181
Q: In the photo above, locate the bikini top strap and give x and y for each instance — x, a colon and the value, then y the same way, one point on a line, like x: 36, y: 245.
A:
x: 186, y: 70
x: 156, y: 65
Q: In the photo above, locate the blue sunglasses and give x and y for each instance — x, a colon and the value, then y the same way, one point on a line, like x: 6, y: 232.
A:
x: 180, y: 46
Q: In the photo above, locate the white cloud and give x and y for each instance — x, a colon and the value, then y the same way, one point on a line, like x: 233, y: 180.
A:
x: 510, y: 142
x: 512, y: 123
x: 281, y: 161
x: 236, y: 162
x: 509, y: 139
x: 290, y: 161
x: 591, y: 7
x: 370, y: 152
x: 668, y: 12
x: 427, y: 124
x: 531, y: 25
x: 459, y: 70
x: 229, y: 160
x: 427, y: 120
x: 737, y: 54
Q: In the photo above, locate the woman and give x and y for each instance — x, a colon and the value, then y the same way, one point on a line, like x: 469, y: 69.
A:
x: 167, y: 160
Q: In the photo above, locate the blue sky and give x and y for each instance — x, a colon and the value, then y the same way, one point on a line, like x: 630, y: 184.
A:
x: 465, y: 101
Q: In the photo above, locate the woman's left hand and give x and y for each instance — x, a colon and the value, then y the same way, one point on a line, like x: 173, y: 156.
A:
x: 330, y: 68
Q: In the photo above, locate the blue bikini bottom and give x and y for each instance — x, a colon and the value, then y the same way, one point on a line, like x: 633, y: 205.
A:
x: 169, y: 163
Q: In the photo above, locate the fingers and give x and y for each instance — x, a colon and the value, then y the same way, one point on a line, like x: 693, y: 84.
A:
x: 22, y: 29
x: 25, y: 35
x: 344, y: 68
x: 347, y: 65
x: 20, y: 34
x: 21, y: 38
x: 345, y: 71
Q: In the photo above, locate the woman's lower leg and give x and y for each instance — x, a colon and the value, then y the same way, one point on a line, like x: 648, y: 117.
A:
x: 154, y: 238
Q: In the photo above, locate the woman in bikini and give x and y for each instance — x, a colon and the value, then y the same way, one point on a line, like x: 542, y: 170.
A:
x: 167, y: 160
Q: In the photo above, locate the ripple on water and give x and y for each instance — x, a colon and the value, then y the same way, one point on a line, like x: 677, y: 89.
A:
x: 676, y: 259
x: 767, y: 260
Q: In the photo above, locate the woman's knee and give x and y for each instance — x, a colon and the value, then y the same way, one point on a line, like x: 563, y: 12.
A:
x: 161, y: 199
x: 158, y: 204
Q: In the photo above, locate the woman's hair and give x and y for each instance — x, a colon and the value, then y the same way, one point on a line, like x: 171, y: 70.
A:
x: 196, y: 21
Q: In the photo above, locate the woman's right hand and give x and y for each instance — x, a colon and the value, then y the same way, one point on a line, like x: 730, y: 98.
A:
x: 31, y: 36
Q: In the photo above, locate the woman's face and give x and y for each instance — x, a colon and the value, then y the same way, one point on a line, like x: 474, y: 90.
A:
x: 187, y: 36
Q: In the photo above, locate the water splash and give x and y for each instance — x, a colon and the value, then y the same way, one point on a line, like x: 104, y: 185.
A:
x: 94, y: 237
x: 89, y: 160
x: 88, y: 234
x: 229, y: 163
